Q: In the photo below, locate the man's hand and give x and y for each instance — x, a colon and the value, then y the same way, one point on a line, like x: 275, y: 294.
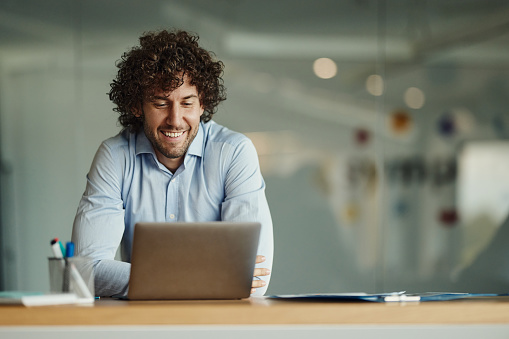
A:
x: 259, y: 272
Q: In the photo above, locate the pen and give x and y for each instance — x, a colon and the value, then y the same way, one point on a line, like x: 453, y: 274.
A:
x: 69, y: 249
x: 55, y: 247
x: 81, y: 287
x: 62, y: 249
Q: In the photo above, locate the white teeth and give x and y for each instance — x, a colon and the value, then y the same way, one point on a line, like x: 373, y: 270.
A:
x: 173, y: 135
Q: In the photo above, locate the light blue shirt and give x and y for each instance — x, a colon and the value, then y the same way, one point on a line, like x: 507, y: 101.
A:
x: 220, y: 179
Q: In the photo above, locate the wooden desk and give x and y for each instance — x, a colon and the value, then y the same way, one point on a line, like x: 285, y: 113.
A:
x: 130, y: 316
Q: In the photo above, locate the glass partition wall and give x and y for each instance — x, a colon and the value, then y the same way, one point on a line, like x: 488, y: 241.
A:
x: 381, y: 128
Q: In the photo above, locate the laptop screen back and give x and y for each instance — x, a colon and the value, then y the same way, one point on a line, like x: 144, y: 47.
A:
x: 212, y: 260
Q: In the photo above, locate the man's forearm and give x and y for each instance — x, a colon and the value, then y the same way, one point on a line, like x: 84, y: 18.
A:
x: 111, y: 278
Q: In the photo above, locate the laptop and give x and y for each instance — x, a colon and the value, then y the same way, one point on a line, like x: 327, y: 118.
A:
x: 208, y: 260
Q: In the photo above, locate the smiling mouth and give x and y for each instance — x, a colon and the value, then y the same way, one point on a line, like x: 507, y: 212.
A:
x: 173, y: 134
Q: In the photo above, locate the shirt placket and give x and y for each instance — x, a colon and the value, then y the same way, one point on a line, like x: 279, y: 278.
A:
x: 172, y: 199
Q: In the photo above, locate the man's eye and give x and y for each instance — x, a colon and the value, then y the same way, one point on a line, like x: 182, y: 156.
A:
x: 159, y: 105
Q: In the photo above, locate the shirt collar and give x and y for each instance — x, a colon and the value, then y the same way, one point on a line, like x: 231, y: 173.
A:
x: 143, y: 145
x: 196, y: 147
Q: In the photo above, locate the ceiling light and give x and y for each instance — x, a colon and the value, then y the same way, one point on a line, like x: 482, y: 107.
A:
x: 375, y: 85
x: 414, y: 98
x: 325, y: 68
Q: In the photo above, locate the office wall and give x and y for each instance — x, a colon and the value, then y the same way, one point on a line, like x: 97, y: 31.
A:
x: 365, y: 179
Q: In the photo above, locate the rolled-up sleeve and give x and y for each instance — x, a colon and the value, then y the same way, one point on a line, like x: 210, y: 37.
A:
x: 99, y: 223
x: 245, y: 200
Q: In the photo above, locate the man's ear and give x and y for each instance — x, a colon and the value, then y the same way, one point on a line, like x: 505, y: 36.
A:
x: 138, y: 112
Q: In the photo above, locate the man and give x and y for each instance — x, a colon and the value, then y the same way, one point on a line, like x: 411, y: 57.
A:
x: 171, y: 162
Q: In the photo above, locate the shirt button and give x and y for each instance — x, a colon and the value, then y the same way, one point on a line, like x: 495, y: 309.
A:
x: 172, y: 216
x: 173, y: 180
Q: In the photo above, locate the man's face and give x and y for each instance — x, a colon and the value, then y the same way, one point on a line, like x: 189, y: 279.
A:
x: 171, y: 122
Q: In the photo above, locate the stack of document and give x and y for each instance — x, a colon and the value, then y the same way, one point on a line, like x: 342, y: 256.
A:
x: 385, y: 297
x: 41, y: 299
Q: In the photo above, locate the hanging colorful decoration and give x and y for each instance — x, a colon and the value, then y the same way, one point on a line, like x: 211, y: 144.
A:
x: 448, y: 217
x: 446, y: 125
x: 362, y: 136
x: 400, y: 122
x: 350, y: 213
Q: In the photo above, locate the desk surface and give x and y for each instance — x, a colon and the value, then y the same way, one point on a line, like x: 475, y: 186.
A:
x: 255, y: 311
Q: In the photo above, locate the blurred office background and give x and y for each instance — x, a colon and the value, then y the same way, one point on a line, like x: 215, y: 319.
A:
x: 382, y: 130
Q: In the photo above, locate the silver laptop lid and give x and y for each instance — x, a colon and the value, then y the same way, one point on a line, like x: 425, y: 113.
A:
x: 211, y: 260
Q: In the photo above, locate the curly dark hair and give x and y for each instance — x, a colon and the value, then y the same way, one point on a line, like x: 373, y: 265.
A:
x: 160, y: 63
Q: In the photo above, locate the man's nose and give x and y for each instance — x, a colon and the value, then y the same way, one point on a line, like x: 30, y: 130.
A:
x: 174, y: 117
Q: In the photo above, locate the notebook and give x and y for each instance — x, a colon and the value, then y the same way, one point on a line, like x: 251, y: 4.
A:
x: 211, y: 260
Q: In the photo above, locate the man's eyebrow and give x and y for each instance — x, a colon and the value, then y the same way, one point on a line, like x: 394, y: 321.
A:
x: 158, y: 97
x: 187, y: 97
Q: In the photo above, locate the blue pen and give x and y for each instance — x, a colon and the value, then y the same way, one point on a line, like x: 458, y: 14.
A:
x: 69, y: 251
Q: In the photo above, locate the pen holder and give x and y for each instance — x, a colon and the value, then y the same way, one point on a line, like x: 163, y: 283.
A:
x: 72, y: 275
